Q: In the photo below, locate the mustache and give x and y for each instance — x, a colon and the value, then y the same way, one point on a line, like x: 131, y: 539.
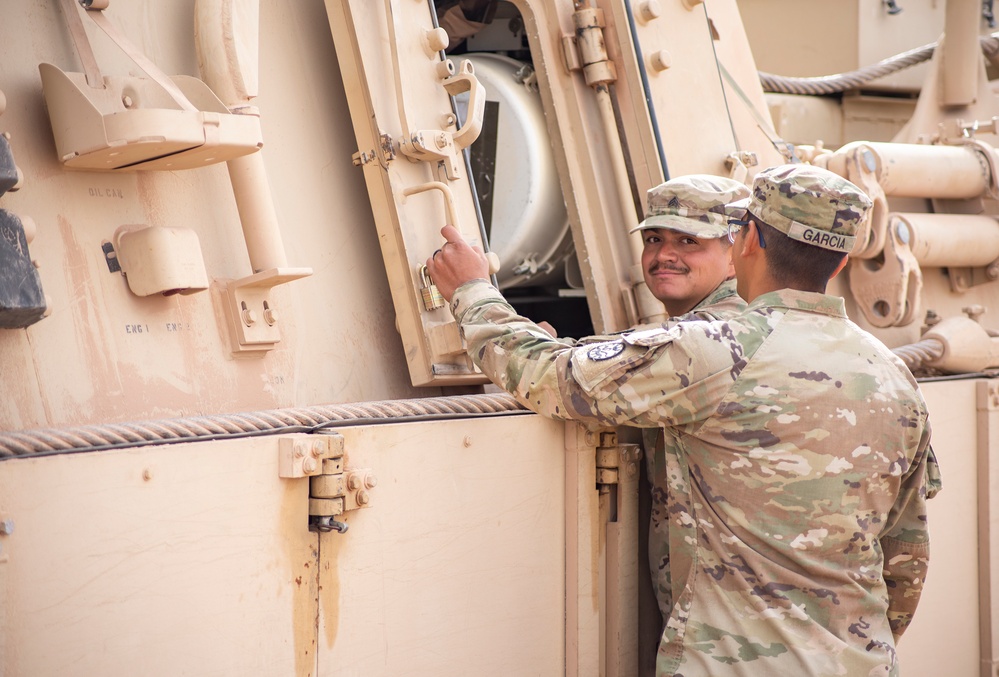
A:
x: 656, y: 267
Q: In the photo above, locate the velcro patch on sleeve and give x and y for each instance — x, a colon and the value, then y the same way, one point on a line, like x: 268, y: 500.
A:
x: 595, y: 365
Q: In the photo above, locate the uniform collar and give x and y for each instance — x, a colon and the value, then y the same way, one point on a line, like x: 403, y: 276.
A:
x: 793, y: 299
x: 722, y: 292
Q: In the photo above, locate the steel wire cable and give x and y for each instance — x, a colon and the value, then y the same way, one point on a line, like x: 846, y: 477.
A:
x: 223, y: 426
x: 916, y: 355
x: 841, y: 82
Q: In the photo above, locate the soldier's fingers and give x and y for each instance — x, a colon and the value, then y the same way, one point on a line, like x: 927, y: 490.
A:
x: 452, y: 235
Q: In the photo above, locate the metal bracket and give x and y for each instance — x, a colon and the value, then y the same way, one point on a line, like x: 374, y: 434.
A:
x: 443, y: 146
x: 333, y: 490
x: 252, y: 317
x: 888, y: 290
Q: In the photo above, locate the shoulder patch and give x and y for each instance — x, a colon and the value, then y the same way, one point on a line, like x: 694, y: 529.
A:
x: 605, y: 351
x: 651, y: 338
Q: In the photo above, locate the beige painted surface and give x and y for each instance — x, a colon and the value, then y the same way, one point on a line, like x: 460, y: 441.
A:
x: 88, y: 361
x: 805, y: 38
x: 205, y: 568
x: 943, y: 637
x: 459, y: 565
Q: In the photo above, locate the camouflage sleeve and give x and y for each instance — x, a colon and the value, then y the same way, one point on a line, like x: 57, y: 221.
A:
x: 906, y: 540
x: 621, y: 381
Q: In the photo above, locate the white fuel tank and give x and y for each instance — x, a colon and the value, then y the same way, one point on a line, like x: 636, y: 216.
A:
x: 516, y: 178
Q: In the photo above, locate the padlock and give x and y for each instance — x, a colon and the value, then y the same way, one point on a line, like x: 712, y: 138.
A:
x: 432, y: 299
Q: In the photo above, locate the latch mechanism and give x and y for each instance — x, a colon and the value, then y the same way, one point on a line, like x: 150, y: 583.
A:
x: 333, y: 490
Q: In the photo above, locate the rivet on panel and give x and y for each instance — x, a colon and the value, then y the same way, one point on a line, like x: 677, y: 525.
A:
x: 650, y: 10
x: 437, y: 40
x: 353, y: 482
x: 661, y: 60
x: 467, y: 442
x: 147, y: 475
x: 362, y: 497
x: 370, y: 481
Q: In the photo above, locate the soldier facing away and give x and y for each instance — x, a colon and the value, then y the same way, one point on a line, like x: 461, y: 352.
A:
x: 797, y: 462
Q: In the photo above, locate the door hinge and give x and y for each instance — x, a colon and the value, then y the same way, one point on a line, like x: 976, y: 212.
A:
x: 614, y: 458
x: 333, y: 489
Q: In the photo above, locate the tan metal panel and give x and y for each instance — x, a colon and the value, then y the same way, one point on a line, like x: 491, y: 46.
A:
x: 943, y: 637
x: 459, y: 565
x: 183, y: 559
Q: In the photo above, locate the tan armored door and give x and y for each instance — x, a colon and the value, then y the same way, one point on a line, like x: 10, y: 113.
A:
x: 456, y: 563
x: 398, y: 89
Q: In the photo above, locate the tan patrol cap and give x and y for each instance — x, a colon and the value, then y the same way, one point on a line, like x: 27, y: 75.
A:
x: 695, y: 204
x: 808, y: 204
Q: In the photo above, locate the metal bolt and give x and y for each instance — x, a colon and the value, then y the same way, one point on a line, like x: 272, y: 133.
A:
x: 147, y: 474
x: 309, y: 466
x: 6, y: 526
x: 445, y: 69
x: 869, y: 161
x: 362, y: 497
x: 126, y: 101
x: 661, y: 60
x: 441, y: 140
x: 370, y: 481
x: 903, y: 232
x: 650, y: 10
x: 270, y: 316
x: 437, y: 39
x: 466, y: 442
x: 317, y: 449
x: 249, y: 317
x: 974, y: 311
x: 353, y: 482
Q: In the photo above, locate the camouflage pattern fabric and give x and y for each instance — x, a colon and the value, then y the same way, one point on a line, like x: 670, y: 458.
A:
x: 724, y: 302
x: 695, y: 204
x: 809, y: 204
x: 796, y: 488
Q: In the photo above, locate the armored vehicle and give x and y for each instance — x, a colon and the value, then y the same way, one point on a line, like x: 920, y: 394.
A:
x: 240, y: 433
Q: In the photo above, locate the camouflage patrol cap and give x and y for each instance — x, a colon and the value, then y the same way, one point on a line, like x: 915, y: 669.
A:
x: 809, y: 204
x: 696, y: 204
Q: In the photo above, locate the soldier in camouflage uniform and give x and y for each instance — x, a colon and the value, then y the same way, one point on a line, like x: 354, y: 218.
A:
x: 687, y: 266
x: 797, y: 477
